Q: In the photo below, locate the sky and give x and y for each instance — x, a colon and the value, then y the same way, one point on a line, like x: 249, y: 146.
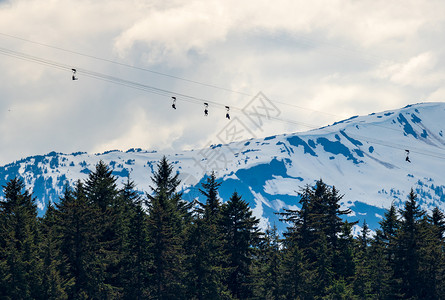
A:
x: 315, y: 62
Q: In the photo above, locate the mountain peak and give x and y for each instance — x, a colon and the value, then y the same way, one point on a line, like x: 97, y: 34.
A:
x: 364, y: 157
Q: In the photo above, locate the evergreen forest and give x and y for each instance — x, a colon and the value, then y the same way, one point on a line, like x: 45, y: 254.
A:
x: 105, y: 241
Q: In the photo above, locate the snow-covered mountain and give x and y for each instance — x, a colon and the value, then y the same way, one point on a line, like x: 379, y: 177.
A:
x: 363, y: 157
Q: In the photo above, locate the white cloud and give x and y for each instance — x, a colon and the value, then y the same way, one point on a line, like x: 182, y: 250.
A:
x: 194, y: 25
x: 341, y: 57
x: 438, y: 95
x: 174, y: 32
x: 417, y: 71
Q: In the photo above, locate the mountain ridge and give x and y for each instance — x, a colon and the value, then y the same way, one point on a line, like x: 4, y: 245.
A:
x: 363, y: 157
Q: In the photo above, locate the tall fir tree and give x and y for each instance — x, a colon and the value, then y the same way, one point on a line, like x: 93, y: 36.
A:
x: 241, y: 236
x: 137, y: 259
x: 212, y: 206
x: 19, y: 240
x: 128, y: 199
x: 100, y: 187
x: 407, y: 248
x: 322, y: 238
x: 437, y: 219
x: 294, y: 277
x: 102, y: 192
x: 267, y: 266
x: 53, y: 285
x: 381, y: 272
x: 166, y: 216
x: 431, y: 258
x: 386, y: 241
x: 339, y: 234
x: 344, y: 264
x: 362, y: 278
x: 79, y: 244
x: 204, y: 247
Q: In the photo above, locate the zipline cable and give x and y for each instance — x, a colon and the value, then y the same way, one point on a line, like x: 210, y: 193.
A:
x: 126, y: 65
x: 161, y: 73
x: 187, y: 98
x: 174, y: 77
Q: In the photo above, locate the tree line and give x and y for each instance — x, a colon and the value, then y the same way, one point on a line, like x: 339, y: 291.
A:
x: 102, y: 241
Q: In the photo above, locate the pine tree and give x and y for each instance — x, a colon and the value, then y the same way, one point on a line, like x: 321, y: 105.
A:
x: 338, y: 233
x: 79, y: 244
x: 390, y: 223
x: 21, y: 266
x: 323, y: 238
x: 53, y: 286
x: 241, y: 235
x: 431, y: 258
x: 380, y: 272
x: 136, y: 261
x: 102, y: 192
x: 294, y: 277
x: 407, y: 248
x: 205, y: 247
x: 344, y: 265
x: 386, y: 242
x: 212, y: 207
x: 321, y: 266
x: 334, y: 222
x: 204, y: 270
x: 318, y: 248
x: 362, y: 278
x: 166, y: 216
x: 101, y: 188
x: 437, y: 219
x: 128, y: 200
x: 267, y: 266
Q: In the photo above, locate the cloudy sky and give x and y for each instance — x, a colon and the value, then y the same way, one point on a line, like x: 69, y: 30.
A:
x: 317, y: 61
